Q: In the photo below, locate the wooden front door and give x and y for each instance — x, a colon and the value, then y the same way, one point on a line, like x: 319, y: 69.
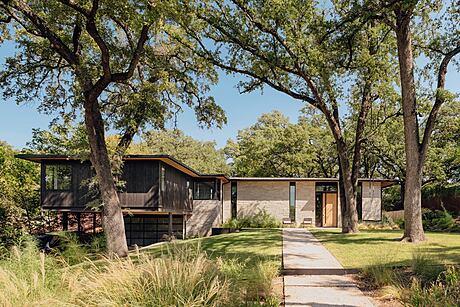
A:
x: 329, y: 209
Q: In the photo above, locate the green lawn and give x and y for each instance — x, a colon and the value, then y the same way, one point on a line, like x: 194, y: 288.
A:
x: 383, y: 246
x: 246, y: 246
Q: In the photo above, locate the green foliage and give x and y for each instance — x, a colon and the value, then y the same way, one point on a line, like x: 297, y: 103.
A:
x: 181, y: 275
x: 274, y: 147
x: 200, y: 155
x: 261, y: 219
x: 444, y: 292
x: 167, y: 75
x: 438, y: 220
x: 19, y: 198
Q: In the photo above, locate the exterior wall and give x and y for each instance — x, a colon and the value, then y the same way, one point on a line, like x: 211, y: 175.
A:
x: 273, y: 196
x: 305, y: 201
x: 206, y: 214
x: 226, y: 202
x: 177, y: 191
x: 372, y: 202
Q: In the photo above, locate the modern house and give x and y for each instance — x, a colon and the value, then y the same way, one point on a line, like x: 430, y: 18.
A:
x: 162, y: 196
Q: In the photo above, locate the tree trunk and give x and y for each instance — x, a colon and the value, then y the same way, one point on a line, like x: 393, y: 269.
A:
x: 112, y: 217
x: 413, y: 231
x: 347, y: 199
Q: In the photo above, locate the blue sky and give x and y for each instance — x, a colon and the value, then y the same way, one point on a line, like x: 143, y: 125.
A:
x: 17, y: 122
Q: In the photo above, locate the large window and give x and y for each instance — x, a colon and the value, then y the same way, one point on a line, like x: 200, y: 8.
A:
x: 58, y: 177
x: 292, y: 201
x: 162, y: 179
x: 234, y: 198
x: 203, y: 190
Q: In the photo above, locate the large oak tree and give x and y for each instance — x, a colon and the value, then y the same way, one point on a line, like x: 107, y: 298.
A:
x: 113, y: 63
x: 305, y: 50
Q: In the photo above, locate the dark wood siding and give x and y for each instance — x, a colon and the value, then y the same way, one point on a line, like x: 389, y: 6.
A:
x: 177, y: 193
x: 141, y: 184
x: 52, y: 199
x: 141, y: 190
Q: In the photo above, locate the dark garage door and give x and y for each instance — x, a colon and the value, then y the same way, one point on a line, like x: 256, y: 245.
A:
x: 148, y: 229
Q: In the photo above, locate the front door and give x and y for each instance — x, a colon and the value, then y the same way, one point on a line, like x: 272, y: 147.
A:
x: 329, y: 209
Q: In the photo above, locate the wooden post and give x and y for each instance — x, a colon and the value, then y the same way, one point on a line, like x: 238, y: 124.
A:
x: 94, y: 222
x: 65, y: 221
x: 170, y: 224
x: 78, y: 221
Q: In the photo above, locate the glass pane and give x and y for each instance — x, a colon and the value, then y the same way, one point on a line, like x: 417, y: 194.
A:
x: 326, y: 187
x: 58, y: 177
x: 292, y: 201
x: 203, y: 190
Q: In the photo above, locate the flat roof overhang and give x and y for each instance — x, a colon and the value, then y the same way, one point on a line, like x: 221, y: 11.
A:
x: 164, y: 158
x: 384, y: 182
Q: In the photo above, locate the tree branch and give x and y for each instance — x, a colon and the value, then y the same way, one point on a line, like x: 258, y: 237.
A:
x: 439, y: 100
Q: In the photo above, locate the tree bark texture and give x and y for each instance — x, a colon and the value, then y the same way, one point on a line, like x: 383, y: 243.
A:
x: 413, y: 230
x: 112, y: 216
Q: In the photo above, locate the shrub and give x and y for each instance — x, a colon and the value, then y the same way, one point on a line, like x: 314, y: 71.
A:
x: 444, y: 292
x: 438, y: 220
x: 261, y: 219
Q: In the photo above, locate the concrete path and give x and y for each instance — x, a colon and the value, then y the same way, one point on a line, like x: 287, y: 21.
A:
x: 313, y: 277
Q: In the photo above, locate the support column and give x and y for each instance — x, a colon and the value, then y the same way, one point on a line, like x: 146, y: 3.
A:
x: 170, y: 224
x: 78, y: 221
x: 65, y: 221
x: 94, y: 222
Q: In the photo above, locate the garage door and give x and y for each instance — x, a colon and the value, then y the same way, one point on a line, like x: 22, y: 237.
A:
x: 148, y: 229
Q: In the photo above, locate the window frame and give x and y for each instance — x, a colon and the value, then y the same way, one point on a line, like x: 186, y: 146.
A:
x: 292, y: 200
x: 56, y: 165
x: 213, y: 190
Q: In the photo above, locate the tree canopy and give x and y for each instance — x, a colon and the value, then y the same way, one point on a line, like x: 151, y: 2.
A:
x: 275, y: 147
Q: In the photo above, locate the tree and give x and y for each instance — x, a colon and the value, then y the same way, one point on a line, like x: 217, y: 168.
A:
x: 305, y: 50
x: 383, y: 150
x: 440, y: 49
x: 274, y: 147
x: 200, y: 155
x: 114, y: 63
x: 19, y: 199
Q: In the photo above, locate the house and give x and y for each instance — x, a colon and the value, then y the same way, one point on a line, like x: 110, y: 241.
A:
x: 162, y: 196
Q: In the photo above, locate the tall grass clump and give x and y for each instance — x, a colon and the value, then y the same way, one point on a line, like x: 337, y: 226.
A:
x: 425, y: 267
x: 444, y: 292
x: 28, y: 277
x: 184, y: 277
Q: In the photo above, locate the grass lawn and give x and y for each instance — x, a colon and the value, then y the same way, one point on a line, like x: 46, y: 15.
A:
x: 371, y: 247
x: 246, y: 246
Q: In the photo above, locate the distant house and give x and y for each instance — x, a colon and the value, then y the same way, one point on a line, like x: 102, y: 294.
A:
x: 162, y: 196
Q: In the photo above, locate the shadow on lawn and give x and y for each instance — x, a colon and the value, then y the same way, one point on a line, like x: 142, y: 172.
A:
x: 248, y: 246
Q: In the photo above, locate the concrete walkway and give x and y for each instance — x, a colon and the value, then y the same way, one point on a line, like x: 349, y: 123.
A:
x: 313, y: 277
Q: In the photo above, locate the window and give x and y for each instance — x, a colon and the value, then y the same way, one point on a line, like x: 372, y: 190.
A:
x: 58, y: 177
x: 203, y: 190
x: 234, y: 197
x: 292, y: 201
x: 162, y: 179
x: 326, y: 187
x: 359, y: 201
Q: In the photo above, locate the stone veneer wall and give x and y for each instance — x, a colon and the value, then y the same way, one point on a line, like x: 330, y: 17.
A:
x: 226, y: 205
x: 305, y: 201
x: 372, y: 202
x: 206, y: 214
x: 273, y: 196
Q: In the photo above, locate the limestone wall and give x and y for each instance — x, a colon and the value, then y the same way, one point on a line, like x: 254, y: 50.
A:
x: 372, y: 202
